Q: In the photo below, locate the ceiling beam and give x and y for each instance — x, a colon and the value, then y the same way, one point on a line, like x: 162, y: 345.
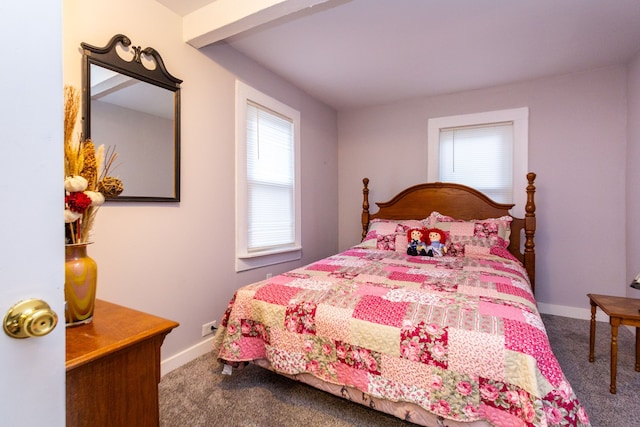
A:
x: 224, y: 18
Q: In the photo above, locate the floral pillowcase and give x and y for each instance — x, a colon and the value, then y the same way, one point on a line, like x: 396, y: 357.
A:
x: 389, y: 235
x: 478, y: 236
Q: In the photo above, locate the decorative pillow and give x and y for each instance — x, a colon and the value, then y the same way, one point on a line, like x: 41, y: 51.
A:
x: 474, y: 234
x: 389, y: 235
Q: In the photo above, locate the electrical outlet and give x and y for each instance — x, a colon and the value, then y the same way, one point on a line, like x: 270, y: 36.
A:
x: 269, y: 275
x: 209, y: 328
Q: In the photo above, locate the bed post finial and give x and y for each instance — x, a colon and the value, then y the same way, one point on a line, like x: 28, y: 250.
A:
x: 365, y: 207
x: 530, y: 230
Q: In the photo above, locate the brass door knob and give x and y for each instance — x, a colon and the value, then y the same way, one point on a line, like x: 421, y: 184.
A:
x: 30, y: 318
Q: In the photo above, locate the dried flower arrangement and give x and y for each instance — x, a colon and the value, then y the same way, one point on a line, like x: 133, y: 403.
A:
x: 86, y: 171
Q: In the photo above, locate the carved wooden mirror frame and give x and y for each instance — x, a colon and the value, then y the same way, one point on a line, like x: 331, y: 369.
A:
x: 124, y: 75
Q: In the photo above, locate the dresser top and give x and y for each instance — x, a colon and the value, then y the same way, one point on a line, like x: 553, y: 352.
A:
x: 113, y: 328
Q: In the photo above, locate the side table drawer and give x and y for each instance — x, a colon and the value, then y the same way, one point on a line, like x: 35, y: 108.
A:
x: 117, y: 390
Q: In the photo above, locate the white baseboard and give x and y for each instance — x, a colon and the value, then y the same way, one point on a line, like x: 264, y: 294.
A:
x: 577, y: 313
x: 185, y: 356
x: 573, y: 312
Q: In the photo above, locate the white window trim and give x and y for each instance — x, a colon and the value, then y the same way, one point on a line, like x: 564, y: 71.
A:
x: 246, y: 260
x: 520, y: 119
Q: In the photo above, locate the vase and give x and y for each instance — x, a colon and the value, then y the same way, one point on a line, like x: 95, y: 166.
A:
x: 80, y: 280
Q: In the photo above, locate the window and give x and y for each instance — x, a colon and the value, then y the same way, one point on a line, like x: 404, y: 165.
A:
x: 267, y: 180
x: 479, y: 156
x: 487, y: 151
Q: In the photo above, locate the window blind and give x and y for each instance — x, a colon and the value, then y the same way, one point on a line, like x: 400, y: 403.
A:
x: 270, y: 179
x: 479, y: 156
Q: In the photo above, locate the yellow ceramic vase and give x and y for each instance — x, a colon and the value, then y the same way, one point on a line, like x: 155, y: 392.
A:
x: 81, y: 276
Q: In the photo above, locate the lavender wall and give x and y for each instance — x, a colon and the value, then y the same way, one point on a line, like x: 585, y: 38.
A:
x: 633, y: 174
x: 577, y: 146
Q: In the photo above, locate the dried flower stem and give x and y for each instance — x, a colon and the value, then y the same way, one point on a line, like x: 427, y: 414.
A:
x: 73, y: 153
x: 71, y: 108
x: 89, y: 166
x: 87, y: 222
x: 110, y: 157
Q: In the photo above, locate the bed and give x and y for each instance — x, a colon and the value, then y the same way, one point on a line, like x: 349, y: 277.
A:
x: 453, y: 340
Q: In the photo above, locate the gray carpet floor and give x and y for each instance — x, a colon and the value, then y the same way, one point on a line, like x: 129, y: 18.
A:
x: 197, y: 394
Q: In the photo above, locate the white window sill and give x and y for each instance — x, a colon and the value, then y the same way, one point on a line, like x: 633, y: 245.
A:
x: 262, y: 259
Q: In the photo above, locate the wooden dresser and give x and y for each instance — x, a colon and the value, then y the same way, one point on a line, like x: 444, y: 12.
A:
x: 113, y: 368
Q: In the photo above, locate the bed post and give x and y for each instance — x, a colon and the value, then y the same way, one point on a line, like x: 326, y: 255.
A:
x: 365, y: 207
x: 529, y: 231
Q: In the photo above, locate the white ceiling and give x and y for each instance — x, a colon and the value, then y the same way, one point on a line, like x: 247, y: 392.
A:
x: 184, y: 7
x: 356, y: 53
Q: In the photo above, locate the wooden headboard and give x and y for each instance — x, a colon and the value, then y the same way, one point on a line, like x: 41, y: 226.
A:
x: 461, y: 202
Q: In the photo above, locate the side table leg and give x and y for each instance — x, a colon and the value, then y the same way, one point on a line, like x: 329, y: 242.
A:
x: 592, y: 332
x: 637, y: 349
x: 614, y: 353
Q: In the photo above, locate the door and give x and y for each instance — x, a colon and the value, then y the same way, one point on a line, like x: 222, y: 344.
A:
x: 31, y: 207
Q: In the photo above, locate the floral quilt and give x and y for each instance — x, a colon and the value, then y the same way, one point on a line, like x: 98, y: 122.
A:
x: 458, y: 336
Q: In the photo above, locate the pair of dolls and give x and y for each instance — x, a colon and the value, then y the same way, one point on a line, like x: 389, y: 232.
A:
x: 426, y: 242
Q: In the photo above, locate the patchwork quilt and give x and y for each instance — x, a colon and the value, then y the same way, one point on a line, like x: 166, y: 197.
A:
x: 459, y: 336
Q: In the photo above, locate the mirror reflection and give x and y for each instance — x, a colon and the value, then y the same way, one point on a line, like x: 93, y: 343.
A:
x: 134, y: 110
x: 137, y: 119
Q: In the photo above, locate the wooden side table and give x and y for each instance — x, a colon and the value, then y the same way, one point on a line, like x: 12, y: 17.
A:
x: 621, y: 311
x: 113, y: 368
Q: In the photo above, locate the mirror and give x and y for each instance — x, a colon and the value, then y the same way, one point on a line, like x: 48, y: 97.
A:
x: 131, y: 104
